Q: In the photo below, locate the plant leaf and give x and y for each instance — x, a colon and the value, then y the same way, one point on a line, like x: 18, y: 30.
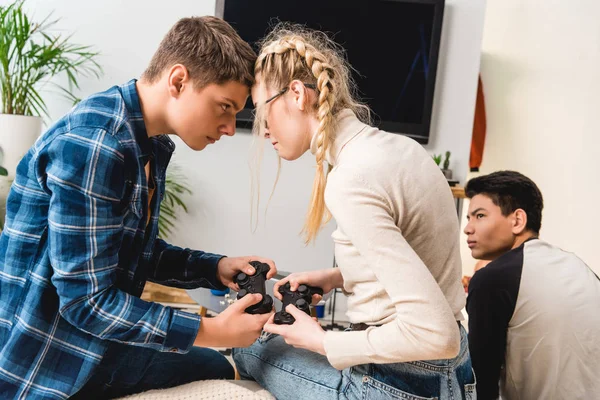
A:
x: 175, y: 188
x: 31, y: 55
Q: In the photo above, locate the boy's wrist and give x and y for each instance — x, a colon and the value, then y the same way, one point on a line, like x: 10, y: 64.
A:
x: 207, y: 333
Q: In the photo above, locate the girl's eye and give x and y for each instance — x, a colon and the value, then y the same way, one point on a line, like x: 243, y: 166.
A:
x: 225, y: 107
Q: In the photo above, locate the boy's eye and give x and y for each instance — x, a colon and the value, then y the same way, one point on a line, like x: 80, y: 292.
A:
x: 225, y: 107
x: 479, y: 216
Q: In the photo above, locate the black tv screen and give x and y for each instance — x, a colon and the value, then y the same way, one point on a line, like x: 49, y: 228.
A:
x: 392, y: 46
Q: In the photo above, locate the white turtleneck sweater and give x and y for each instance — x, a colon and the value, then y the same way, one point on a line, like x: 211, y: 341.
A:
x: 397, y: 247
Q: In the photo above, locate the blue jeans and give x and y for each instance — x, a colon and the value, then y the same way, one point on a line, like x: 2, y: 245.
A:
x: 290, y: 373
x: 126, y: 370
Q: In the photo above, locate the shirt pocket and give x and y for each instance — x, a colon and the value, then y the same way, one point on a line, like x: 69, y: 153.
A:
x: 134, y: 204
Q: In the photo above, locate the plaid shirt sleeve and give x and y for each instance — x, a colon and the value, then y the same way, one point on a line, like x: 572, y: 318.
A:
x: 184, y: 268
x: 85, y: 175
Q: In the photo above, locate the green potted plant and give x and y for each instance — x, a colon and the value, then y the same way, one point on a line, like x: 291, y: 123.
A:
x: 31, y: 55
x: 437, y: 158
x: 446, y: 167
x: 175, y: 187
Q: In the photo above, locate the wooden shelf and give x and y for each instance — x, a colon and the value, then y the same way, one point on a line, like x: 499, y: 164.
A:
x: 164, y: 294
x: 458, y: 192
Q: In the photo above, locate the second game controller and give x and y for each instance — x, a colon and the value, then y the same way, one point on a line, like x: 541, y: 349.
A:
x: 301, y: 298
x: 255, y: 284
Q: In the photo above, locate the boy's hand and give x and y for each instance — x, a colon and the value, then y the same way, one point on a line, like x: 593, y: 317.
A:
x: 229, y: 267
x: 233, y: 327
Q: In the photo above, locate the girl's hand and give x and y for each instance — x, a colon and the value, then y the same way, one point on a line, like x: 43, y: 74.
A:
x: 304, y: 333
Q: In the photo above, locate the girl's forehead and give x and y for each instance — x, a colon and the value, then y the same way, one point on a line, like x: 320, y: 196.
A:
x: 259, y: 86
x: 260, y: 93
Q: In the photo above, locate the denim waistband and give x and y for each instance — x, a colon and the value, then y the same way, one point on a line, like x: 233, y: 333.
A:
x: 361, y: 326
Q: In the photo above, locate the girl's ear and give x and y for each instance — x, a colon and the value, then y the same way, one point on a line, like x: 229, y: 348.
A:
x: 300, y: 93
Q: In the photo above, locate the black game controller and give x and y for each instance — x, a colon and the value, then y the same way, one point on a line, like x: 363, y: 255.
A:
x: 301, y: 298
x: 255, y: 284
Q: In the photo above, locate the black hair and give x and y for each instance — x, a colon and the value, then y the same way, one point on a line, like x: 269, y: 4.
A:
x: 510, y: 191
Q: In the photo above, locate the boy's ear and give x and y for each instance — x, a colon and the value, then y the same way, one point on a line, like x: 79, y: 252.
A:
x: 519, y: 221
x: 177, y: 79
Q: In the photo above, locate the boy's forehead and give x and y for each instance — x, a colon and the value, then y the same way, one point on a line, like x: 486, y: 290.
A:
x: 236, y: 91
x: 481, y: 201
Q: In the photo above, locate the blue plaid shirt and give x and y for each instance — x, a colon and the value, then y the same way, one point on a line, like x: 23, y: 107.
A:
x: 77, y: 250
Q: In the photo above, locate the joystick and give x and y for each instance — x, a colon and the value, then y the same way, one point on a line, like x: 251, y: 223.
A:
x: 255, y: 284
x: 301, y: 298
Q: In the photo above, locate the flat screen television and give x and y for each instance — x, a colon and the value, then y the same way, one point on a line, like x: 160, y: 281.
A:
x: 392, y: 45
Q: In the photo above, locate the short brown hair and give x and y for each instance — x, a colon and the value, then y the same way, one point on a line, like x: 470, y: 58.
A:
x: 209, y: 48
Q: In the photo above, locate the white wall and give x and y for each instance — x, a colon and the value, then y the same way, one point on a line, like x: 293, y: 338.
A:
x: 456, y: 85
x: 542, y: 82
x: 127, y: 34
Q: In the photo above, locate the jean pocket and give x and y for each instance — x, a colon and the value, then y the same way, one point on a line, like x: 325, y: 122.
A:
x: 266, y: 336
x: 470, y: 392
x: 376, y: 390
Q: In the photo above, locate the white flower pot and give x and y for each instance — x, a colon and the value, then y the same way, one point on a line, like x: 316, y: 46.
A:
x: 5, y: 183
x: 17, y: 134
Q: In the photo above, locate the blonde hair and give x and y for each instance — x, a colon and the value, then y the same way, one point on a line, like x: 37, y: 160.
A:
x: 291, y: 52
